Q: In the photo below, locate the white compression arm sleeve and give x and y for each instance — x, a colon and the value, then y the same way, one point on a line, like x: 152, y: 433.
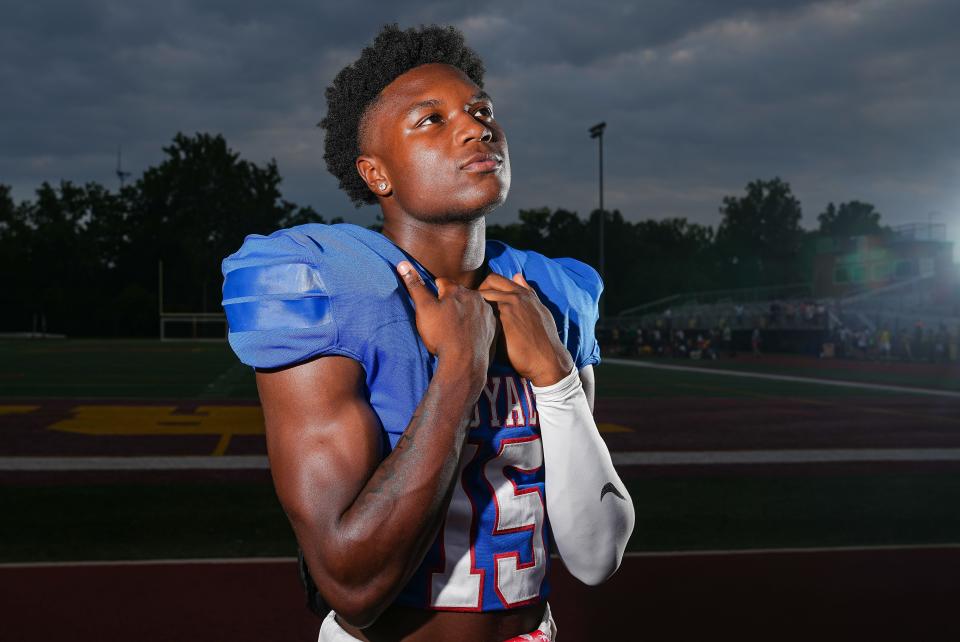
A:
x: 590, y: 510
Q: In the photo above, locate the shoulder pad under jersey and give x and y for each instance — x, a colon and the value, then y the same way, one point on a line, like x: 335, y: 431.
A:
x: 571, y: 291
x: 302, y: 292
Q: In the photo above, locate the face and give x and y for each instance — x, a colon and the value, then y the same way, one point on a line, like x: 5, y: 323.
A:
x: 432, y: 138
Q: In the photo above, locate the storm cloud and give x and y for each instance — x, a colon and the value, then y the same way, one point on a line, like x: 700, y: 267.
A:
x: 845, y: 100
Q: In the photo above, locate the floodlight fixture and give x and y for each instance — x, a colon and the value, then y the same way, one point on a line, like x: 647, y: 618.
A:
x: 597, y: 132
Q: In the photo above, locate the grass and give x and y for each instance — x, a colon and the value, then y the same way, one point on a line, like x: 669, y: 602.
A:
x: 919, y: 375
x: 122, y: 369
x: 244, y: 519
x: 149, y: 369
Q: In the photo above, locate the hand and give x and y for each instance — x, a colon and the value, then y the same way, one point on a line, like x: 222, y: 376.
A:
x: 458, y: 326
x: 532, y: 342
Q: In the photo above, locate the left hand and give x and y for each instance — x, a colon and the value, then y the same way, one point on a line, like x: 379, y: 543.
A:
x: 533, y: 345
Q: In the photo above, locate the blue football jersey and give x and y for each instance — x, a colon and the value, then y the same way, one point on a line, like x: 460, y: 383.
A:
x: 333, y: 289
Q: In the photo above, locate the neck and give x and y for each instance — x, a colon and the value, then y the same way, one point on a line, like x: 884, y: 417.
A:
x: 453, y: 251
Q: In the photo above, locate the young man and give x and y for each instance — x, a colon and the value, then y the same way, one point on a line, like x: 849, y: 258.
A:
x: 427, y: 393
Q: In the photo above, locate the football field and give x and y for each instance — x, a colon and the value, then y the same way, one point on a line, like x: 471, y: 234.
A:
x: 776, y: 497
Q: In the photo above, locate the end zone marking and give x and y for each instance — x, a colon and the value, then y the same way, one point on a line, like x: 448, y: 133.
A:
x: 840, y: 383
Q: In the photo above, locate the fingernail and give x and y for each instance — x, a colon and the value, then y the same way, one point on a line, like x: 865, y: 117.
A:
x: 403, y: 267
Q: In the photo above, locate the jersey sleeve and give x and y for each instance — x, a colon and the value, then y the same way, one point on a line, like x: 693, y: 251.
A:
x: 279, y: 309
x: 584, y: 308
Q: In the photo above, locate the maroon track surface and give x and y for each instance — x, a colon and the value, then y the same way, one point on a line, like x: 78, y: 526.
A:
x: 779, y: 422
x: 707, y: 421
x: 830, y: 595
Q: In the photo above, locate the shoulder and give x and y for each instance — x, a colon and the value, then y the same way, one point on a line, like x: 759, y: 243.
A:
x: 285, y: 293
x: 569, y: 280
x: 569, y: 288
x: 313, y: 243
x: 307, y: 260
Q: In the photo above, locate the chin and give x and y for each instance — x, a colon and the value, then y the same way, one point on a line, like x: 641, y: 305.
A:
x: 490, y: 196
x: 474, y: 204
x: 487, y: 205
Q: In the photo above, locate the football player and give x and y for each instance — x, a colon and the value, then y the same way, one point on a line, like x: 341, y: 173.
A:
x: 427, y: 392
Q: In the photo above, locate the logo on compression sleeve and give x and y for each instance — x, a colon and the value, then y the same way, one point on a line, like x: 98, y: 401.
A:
x: 610, y: 488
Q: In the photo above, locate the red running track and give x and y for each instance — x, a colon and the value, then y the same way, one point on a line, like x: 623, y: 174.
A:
x: 897, y: 594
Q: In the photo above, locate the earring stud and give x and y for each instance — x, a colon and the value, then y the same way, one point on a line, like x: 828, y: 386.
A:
x: 382, y: 186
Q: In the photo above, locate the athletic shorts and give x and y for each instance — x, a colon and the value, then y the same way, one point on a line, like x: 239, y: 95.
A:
x: 330, y: 631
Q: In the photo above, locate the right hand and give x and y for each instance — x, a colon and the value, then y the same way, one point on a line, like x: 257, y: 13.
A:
x: 458, y: 324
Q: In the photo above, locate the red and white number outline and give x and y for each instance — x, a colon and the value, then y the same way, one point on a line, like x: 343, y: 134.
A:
x: 452, y: 575
x: 465, y: 586
x: 497, y: 463
x: 447, y: 579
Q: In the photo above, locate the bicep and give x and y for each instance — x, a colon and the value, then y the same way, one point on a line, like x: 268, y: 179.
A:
x: 588, y: 381
x: 323, y: 441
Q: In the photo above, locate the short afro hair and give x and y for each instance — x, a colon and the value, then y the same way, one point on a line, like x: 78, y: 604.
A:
x: 358, y: 85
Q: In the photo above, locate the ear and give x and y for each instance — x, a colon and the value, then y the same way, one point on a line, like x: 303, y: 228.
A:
x: 370, y: 170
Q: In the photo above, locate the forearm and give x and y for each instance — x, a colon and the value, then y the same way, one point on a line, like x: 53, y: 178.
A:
x: 382, y: 537
x: 591, y: 512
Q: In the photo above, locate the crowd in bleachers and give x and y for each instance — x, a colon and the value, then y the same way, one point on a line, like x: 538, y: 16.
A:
x: 699, y: 332
x: 798, y: 314
x: 665, y: 342
x: 918, y: 343
x: 805, y: 314
x: 915, y: 321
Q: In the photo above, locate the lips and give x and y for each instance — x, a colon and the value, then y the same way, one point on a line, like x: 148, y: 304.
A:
x: 482, y: 163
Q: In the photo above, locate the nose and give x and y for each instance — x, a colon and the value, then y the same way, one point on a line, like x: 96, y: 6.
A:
x: 474, y: 129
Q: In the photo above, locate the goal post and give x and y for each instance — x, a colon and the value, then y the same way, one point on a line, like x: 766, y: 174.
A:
x: 188, y: 326
x: 193, y: 326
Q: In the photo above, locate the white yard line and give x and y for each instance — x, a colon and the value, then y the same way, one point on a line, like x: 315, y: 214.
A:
x: 189, y: 462
x: 824, y: 456
x: 160, y: 562
x: 629, y: 458
x: 775, y: 377
x: 633, y: 554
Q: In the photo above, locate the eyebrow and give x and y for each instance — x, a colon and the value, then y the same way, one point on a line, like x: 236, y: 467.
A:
x: 435, y: 102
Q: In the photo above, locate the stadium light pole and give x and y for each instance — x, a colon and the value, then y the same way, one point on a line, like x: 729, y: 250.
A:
x: 597, y: 132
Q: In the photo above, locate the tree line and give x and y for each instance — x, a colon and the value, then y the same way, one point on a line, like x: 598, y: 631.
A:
x: 85, y: 258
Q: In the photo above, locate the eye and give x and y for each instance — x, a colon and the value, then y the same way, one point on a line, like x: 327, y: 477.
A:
x: 488, y: 112
x: 428, y: 118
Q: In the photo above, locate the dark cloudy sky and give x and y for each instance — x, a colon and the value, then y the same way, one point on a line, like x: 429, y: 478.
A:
x: 845, y: 100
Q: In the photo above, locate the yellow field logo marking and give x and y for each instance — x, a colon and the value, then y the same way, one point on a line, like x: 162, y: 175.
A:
x: 16, y: 410
x: 224, y: 421
x: 605, y: 427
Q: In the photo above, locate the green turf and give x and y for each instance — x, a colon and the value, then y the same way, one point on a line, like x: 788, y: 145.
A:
x: 193, y: 519
x: 183, y: 370
x: 811, y: 511
x: 143, y: 521
x: 614, y: 380
x: 942, y: 377
x: 122, y: 369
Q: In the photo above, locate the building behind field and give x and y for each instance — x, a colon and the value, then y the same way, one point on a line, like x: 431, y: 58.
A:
x: 909, y: 253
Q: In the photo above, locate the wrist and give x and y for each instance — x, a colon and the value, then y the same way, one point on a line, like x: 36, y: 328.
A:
x: 553, y: 372
x: 570, y: 380
x: 465, y: 368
